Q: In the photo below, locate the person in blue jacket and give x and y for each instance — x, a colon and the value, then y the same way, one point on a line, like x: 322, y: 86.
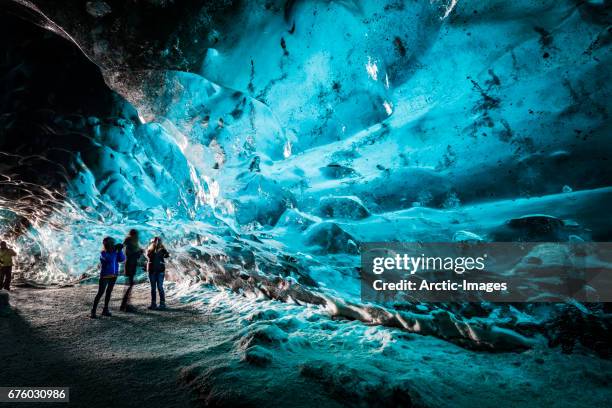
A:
x: 110, y: 257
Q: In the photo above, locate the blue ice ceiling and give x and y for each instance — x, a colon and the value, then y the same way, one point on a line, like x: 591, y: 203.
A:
x: 304, y: 128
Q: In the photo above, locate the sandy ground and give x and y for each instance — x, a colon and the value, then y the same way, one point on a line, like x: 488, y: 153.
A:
x: 128, y: 360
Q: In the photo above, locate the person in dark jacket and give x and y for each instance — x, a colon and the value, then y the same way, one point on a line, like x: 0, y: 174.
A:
x: 133, y: 252
x: 110, y: 257
x: 156, y: 266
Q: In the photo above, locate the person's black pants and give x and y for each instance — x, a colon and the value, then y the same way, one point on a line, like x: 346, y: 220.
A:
x: 128, y: 292
x: 6, y: 272
x: 105, y: 285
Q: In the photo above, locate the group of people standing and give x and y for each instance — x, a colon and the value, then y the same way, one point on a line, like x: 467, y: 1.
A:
x: 130, y: 252
x: 111, y: 256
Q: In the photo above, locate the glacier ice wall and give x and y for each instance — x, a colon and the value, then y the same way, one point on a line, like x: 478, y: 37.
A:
x: 266, y: 140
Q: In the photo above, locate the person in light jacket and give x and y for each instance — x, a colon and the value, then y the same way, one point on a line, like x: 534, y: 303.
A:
x: 6, y: 265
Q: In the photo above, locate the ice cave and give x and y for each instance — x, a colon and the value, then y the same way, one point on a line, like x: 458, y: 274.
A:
x: 265, y: 141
